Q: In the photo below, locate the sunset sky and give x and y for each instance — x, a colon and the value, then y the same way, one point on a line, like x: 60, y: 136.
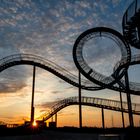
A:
x: 49, y: 28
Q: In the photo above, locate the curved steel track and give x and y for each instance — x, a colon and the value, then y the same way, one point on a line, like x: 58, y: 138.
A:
x: 29, y: 59
x: 90, y: 101
x: 83, y: 66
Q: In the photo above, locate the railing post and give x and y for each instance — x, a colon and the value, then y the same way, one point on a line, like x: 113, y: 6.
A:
x: 80, y: 108
x: 32, y: 102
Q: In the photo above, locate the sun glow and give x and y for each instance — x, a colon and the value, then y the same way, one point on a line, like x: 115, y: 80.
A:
x: 34, y: 124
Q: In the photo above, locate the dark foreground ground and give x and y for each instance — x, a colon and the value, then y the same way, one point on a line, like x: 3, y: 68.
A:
x: 70, y: 134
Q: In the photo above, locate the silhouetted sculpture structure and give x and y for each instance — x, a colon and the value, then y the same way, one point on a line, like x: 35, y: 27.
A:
x: 131, y: 31
x: 118, y: 80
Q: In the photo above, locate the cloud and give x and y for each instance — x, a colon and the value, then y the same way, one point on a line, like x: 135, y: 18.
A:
x: 50, y: 30
x: 55, y: 92
x: 116, y: 2
x: 62, y: 113
x: 13, y: 79
x: 46, y: 105
x: 11, y: 88
x: 14, y: 119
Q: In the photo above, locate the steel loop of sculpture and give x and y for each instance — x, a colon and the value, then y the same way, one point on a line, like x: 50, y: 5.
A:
x: 86, y: 70
x: 130, y: 37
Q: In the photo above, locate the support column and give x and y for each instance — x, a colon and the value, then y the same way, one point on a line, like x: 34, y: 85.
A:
x: 103, y: 122
x: 129, y: 100
x: 112, y: 121
x: 122, y: 110
x: 32, y: 102
x: 52, y: 119
x: 80, y: 108
x: 56, y: 119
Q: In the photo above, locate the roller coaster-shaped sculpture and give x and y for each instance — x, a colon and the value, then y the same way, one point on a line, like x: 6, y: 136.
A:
x: 118, y: 80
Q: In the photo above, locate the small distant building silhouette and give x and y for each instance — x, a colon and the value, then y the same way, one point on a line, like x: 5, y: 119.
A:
x: 52, y: 124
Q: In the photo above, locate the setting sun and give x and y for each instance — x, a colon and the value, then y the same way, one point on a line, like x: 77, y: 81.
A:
x: 34, y: 124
